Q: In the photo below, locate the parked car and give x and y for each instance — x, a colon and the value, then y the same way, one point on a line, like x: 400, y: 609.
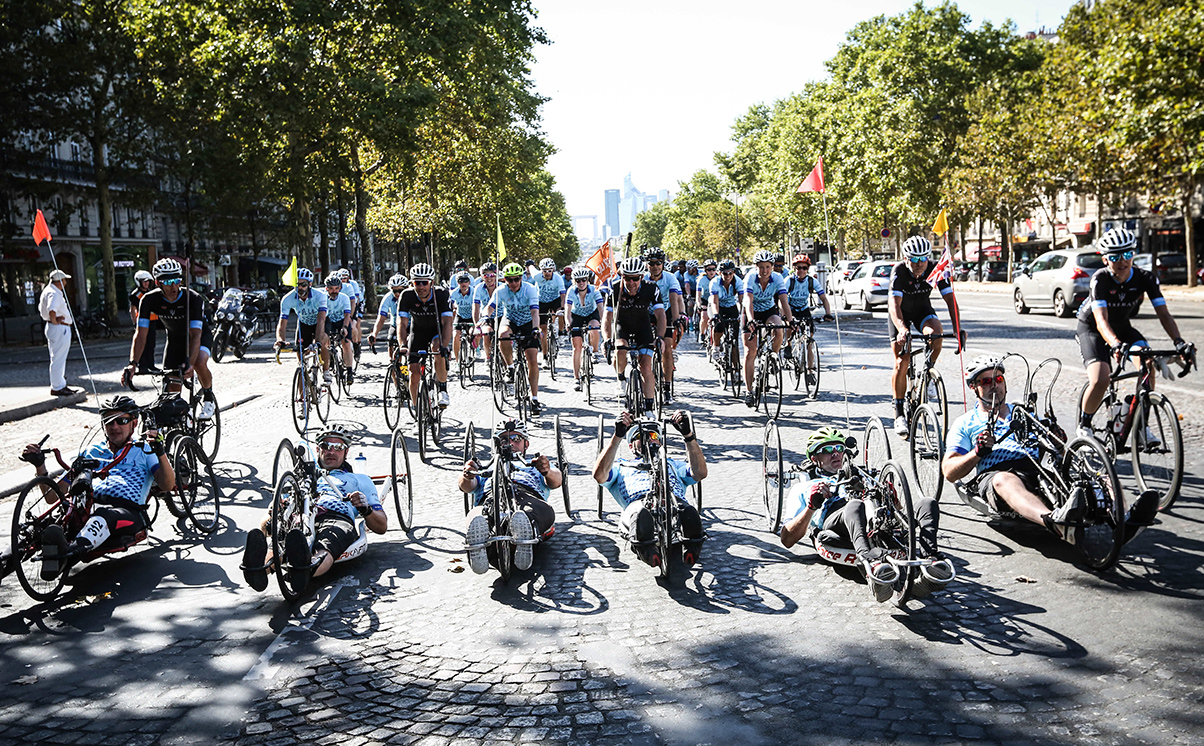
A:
x: 841, y: 272
x: 869, y: 285
x: 995, y: 272
x: 1058, y: 279
x: 1171, y: 268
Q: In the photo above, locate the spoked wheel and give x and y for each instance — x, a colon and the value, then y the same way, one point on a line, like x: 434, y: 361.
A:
x: 208, y: 432
x: 300, y: 396
x: 601, y: 446
x: 469, y: 452
x: 771, y: 392
x: 664, y: 535
x: 563, y: 465
x: 464, y: 361
x: 196, y: 488
x: 285, y: 461
x: 497, y: 380
x: 287, y: 516
x: 940, y: 405
x: 31, y: 517
x: 504, y: 549
x: 796, y: 363
x: 424, y: 413
x: 335, y: 389
x: 811, y: 368
x: 927, y: 444
x: 773, y: 477
x: 1156, y: 444
x: 392, y: 397
x: 522, y: 393
x: 587, y: 373
x: 322, y: 397
x: 1101, y: 534
x: 553, y: 349
x: 401, y: 484
x: 900, y: 534
x: 875, y: 446
x: 434, y: 416
x: 633, y: 391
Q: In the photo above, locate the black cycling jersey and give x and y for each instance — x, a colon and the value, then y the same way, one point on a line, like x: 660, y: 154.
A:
x: 914, y: 291
x: 175, y: 316
x: 424, y: 314
x: 634, y: 311
x: 1120, y: 298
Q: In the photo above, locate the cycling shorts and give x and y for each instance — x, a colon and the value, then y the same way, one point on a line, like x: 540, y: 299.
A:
x: 463, y: 323
x: 921, y: 317
x: 175, y: 356
x: 421, y: 340
x: 124, y: 519
x: 581, y: 322
x: 642, y: 338
x: 763, y: 317
x: 524, y: 335
x: 1022, y: 468
x: 306, y: 333
x: 549, y: 308
x: 1095, y: 349
x: 334, y: 533
x: 335, y: 330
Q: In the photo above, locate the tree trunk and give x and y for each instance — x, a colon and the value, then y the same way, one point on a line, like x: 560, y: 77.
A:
x: 367, y: 262
x: 1099, y: 214
x: 104, y: 205
x: 1189, y: 231
x: 344, y: 254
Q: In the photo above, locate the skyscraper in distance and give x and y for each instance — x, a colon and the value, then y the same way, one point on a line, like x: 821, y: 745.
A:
x: 612, y: 212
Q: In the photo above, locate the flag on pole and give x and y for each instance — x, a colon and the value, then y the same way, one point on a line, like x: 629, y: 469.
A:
x: 41, y: 232
x: 941, y: 270
x: 941, y: 226
x: 501, y: 243
x: 815, y: 180
x: 290, y: 274
x: 602, y: 263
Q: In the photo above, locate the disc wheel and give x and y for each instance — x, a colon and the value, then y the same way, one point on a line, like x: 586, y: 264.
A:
x: 287, y: 515
x: 811, y: 368
x: 300, y: 397
x: 31, y: 517
x: 563, y: 465
x: 601, y: 446
x: 927, y: 445
x: 469, y: 452
x: 1158, y: 458
x: 196, y: 487
x: 392, y: 397
x: 1101, y: 535
x: 875, y: 445
x: 401, y: 484
x: 773, y: 477
x: 900, y: 530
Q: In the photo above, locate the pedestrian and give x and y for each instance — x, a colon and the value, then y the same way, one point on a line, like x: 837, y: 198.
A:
x: 57, y: 315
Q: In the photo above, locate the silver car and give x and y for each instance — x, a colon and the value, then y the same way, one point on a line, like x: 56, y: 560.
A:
x: 841, y: 272
x: 1058, y: 279
x: 868, y: 287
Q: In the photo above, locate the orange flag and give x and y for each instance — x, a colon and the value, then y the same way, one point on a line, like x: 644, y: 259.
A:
x: 815, y: 180
x: 602, y: 263
x: 40, y: 230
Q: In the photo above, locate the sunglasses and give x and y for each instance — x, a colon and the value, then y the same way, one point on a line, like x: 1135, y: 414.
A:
x: 655, y: 264
x: 514, y: 279
x: 830, y: 449
x: 332, y: 446
x: 490, y: 275
x: 123, y: 421
x: 631, y: 278
x: 917, y: 259
x: 300, y: 285
x: 583, y: 280
x: 462, y: 282
x: 173, y: 281
x: 729, y: 273
x: 421, y: 283
x: 515, y: 437
x: 1118, y: 256
x: 984, y: 380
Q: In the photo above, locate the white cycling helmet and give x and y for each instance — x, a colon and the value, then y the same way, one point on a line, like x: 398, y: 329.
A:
x: 397, y: 281
x: 336, y: 431
x: 547, y: 263
x: 691, y: 264
x: 142, y: 275
x: 762, y: 256
x: 917, y: 246
x: 632, y: 265
x: 981, y: 363
x: 306, y: 275
x: 344, y: 274
x: 422, y: 272
x: 167, y: 268
x: 581, y: 273
x: 1117, y: 239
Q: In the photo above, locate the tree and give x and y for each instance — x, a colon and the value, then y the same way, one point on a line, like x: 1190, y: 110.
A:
x: 650, y: 225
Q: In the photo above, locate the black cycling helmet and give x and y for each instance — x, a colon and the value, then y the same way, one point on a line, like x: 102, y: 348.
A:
x: 488, y: 267
x: 727, y: 265
x: 461, y: 265
x: 654, y: 254
x: 118, y: 403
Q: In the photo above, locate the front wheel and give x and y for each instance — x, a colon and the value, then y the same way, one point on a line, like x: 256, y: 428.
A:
x: 196, y: 488
x: 287, y: 515
x: 1100, y: 536
x: 927, y: 445
x: 811, y: 368
x: 392, y: 396
x: 469, y: 453
x: 900, y: 524
x: 219, y: 344
x: 401, y: 484
x: 1061, y: 308
x: 321, y: 397
x: 601, y: 447
x: 773, y: 477
x: 300, y: 395
x: 563, y: 465
x: 31, y: 517
x: 1157, y: 447
x: 1018, y: 302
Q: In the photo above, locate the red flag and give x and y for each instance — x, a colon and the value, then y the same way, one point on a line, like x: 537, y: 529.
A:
x: 40, y: 231
x: 602, y: 263
x: 941, y: 269
x: 815, y: 180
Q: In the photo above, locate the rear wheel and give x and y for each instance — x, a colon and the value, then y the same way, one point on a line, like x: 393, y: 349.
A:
x: 773, y: 477
x: 31, y: 517
x: 1099, y: 539
x: 401, y: 484
x: 335, y: 389
x: 1156, y: 444
x: 811, y: 368
x: 196, y: 487
x: 301, y: 401
x: 926, y: 444
x: 899, y: 536
x: 207, y: 432
x: 1060, y: 306
x: 1018, y: 302
x: 875, y: 446
x: 287, y: 516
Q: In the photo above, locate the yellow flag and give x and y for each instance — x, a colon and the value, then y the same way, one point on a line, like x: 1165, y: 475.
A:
x: 941, y: 226
x: 290, y: 275
x: 501, y: 244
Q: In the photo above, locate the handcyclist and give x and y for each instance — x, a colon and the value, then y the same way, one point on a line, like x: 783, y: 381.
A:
x: 814, y: 504
x: 551, y: 298
x: 629, y: 481
x: 535, y: 517
x: 582, y: 313
x: 674, y: 312
x: 799, y: 289
x: 482, y: 293
x: 461, y: 298
x: 1005, y: 468
x: 351, y: 497
x: 339, y: 321
x: 631, y: 308
x: 182, y: 312
x: 703, y: 295
x: 356, y: 293
x: 1105, y: 331
x: 388, y: 311
x: 910, y: 306
x: 424, y: 323
x: 310, y: 308
x: 518, y: 302
x: 119, y: 507
x: 765, y: 302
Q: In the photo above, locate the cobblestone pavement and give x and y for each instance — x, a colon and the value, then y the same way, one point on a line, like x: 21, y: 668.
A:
x: 758, y: 644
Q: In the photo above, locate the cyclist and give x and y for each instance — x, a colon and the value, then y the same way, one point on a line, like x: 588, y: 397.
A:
x: 764, y: 296
x: 119, y: 508
x: 518, y: 302
x: 674, y: 312
x: 182, y: 313
x: 351, y: 497
x: 535, y: 517
x: 631, y: 306
x: 388, y: 310
x: 461, y: 298
x: 1104, y: 330
x: 779, y: 263
x: 582, y: 312
x: 1005, y: 467
x: 424, y: 322
x: 629, y: 482
x: 799, y: 289
x: 551, y: 298
x: 144, y: 282
x: 356, y: 294
x: 703, y: 295
x: 814, y: 504
x: 457, y: 268
x: 483, y: 291
x: 725, y: 292
x: 339, y: 320
x: 910, y: 306
x: 310, y: 308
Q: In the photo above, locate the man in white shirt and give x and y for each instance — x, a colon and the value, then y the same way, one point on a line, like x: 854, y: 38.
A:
x: 55, y: 312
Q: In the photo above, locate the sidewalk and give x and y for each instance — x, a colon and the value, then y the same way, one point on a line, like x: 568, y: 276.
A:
x: 96, y: 349
x: 20, y: 403
x: 1170, y: 292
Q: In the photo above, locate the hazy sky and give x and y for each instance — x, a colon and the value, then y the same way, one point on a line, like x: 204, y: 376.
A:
x: 652, y: 87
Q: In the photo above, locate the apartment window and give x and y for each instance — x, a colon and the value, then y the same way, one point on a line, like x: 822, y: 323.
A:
x: 75, y: 151
x: 1082, y: 205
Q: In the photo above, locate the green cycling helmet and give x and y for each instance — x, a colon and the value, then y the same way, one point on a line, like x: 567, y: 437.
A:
x: 512, y: 270
x: 822, y: 437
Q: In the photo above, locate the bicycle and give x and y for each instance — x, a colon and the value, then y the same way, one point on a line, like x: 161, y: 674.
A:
x: 428, y: 414
x: 334, y: 352
x: 522, y: 384
x: 187, y: 418
x: 397, y: 387
x: 466, y: 355
x: 927, y: 421
x: 587, y: 366
x: 1157, y: 444
x: 660, y: 500
x: 553, y: 346
x: 306, y: 392
x: 633, y: 386
x: 727, y: 358
x: 767, y: 372
x: 918, y: 378
x: 804, y: 361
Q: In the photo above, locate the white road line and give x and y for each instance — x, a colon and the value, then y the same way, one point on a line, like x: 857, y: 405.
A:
x: 264, y: 668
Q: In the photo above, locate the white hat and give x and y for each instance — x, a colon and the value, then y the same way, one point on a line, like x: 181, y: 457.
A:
x: 59, y: 274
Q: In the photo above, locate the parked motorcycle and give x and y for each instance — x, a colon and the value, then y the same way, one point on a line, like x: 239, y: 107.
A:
x: 237, y: 322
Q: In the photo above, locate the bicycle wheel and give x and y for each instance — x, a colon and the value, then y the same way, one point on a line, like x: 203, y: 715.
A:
x: 773, y: 477
x: 941, y: 403
x: 300, y: 401
x: 795, y: 363
x: 463, y: 360
x: 587, y: 374
x: 31, y: 517
x: 196, y: 487
x: 469, y: 452
x: 335, y: 389
x: 553, y: 349
x: 1156, y: 444
x: 424, y: 402
x: 1102, y: 532
x: 771, y: 392
x: 321, y: 394
x: 392, y: 397
x: 899, y: 536
x: 633, y: 391
x: 927, y: 445
x: 875, y: 446
x: 522, y: 392
x: 286, y: 516
x: 401, y: 486
x: 562, y: 464
x: 698, y: 496
x: 601, y: 446
x: 207, y: 432
x: 811, y: 368
x: 497, y: 381
x: 284, y: 462
x: 668, y: 518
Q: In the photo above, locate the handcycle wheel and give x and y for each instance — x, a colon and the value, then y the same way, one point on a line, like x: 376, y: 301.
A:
x: 1101, y: 536
x: 31, y: 517
x: 285, y: 461
x: 392, y: 397
x: 196, y: 487
x: 811, y: 368
x: 773, y: 477
x: 1157, y: 467
x: 287, y: 516
x: 658, y: 382
x: 208, y: 433
x: 771, y: 394
x: 300, y: 397
x: 601, y: 445
x: 698, y: 496
x: 563, y: 465
x: 875, y: 446
x: 470, y: 452
x: 925, y: 440
x: 664, y: 537
x: 401, y: 483
x: 901, y: 532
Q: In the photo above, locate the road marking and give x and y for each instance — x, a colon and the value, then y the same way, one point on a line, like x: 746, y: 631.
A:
x: 264, y: 668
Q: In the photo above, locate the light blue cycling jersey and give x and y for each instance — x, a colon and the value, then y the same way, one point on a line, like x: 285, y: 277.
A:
x: 528, y: 476
x: 704, y: 286
x: 515, y: 305
x: 799, y: 291
x: 463, y: 303
x: 307, y: 310
x: 965, y: 430
x: 130, y: 479
x: 481, y: 297
x: 667, y: 284
x: 333, y: 501
x: 727, y: 297
x: 585, y: 306
x: 764, y: 298
x: 354, y: 291
x: 550, y: 290
x: 338, y: 307
x: 388, y: 307
x: 627, y: 483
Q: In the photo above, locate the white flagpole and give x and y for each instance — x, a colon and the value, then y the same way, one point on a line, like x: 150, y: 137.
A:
x: 844, y: 376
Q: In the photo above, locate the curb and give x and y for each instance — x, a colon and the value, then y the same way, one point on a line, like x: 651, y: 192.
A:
x: 45, y: 405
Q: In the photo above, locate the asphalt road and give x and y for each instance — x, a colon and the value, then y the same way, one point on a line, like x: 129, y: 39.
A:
x: 758, y: 644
